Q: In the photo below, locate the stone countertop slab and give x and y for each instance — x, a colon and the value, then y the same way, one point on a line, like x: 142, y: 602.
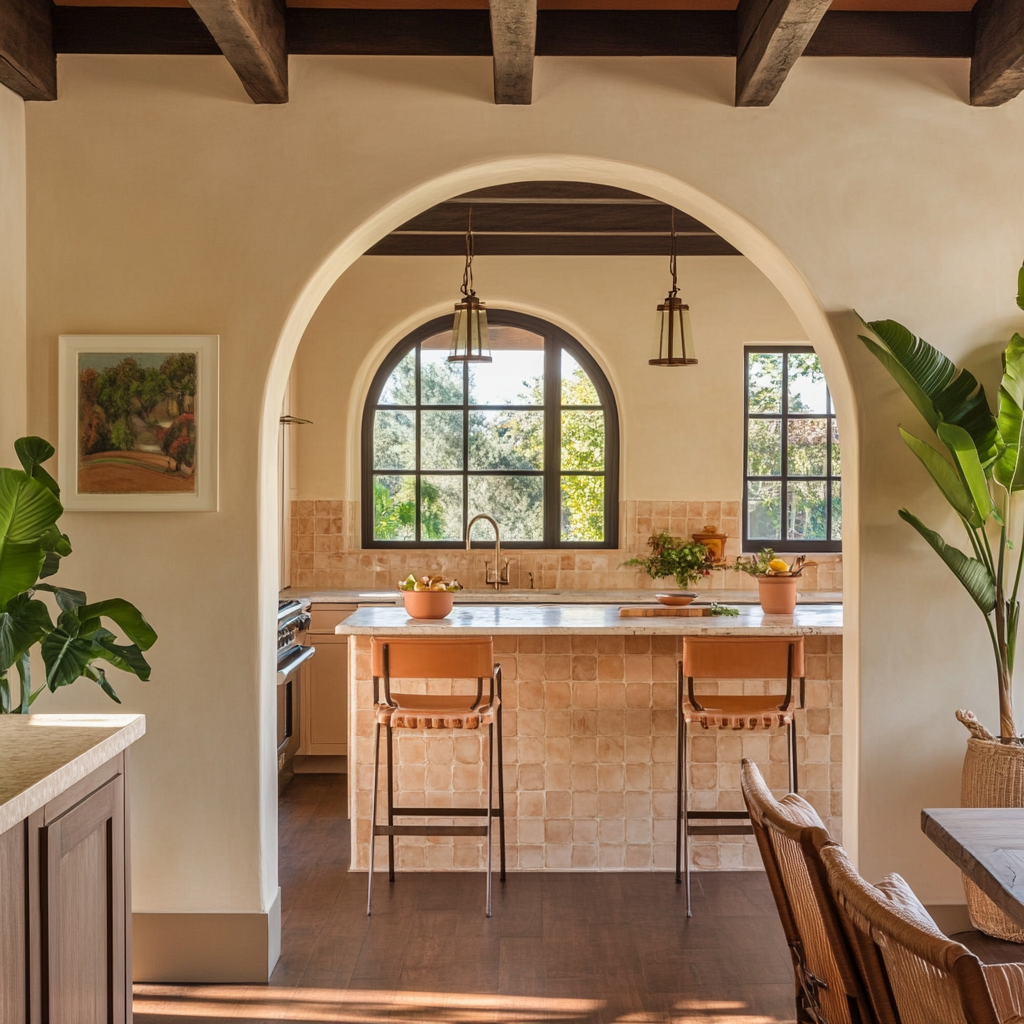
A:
x: 41, y: 756
x: 490, y: 597
x: 810, y: 620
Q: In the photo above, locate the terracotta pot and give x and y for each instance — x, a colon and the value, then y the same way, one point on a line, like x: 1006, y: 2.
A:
x: 778, y: 594
x: 428, y: 604
x: 993, y: 776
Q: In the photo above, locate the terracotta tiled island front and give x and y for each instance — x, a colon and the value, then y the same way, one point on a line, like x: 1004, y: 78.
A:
x: 590, y: 738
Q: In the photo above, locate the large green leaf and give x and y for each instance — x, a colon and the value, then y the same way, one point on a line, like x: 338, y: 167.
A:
x: 971, y: 572
x: 948, y: 479
x: 32, y: 452
x: 961, y: 447
x: 27, y: 512
x: 68, y: 600
x: 933, y: 383
x: 126, y: 615
x: 66, y: 657
x: 23, y: 622
x: 98, y: 675
x: 126, y: 657
x: 1020, y: 287
x: 1009, y: 467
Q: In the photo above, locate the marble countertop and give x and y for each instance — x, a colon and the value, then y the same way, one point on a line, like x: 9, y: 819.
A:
x: 41, y: 756
x: 490, y: 596
x: 809, y: 620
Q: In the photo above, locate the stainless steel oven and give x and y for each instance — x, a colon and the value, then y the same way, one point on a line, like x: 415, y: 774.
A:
x: 293, y: 620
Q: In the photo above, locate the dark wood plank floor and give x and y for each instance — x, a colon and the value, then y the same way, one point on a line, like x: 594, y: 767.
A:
x: 591, y: 948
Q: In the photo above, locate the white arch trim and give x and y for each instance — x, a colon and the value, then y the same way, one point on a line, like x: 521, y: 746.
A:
x: 725, y: 221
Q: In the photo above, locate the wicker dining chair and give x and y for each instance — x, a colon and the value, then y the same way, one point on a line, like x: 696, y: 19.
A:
x: 789, y: 833
x: 923, y: 976
x: 445, y: 658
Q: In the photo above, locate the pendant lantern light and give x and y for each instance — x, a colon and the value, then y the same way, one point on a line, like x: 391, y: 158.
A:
x: 471, y: 342
x: 674, y: 343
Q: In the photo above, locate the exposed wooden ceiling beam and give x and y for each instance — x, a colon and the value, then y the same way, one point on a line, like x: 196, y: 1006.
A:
x: 997, y: 67
x: 567, y: 244
x: 462, y: 33
x: 252, y: 35
x: 514, y: 40
x: 28, y: 62
x: 772, y: 36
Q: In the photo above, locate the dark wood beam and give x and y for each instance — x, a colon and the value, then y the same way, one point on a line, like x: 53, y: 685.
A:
x: 581, y: 244
x: 28, y: 61
x: 513, y: 40
x: 252, y: 35
x: 997, y: 67
x: 548, y: 217
x: 465, y: 33
x: 772, y: 34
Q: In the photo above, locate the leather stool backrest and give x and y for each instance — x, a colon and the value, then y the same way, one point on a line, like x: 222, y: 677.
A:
x: 742, y: 657
x: 420, y: 657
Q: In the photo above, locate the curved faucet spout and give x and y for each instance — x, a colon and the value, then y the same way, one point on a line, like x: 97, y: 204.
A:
x: 500, y: 573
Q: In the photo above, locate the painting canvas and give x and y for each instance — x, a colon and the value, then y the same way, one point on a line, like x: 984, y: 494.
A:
x: 138, y: 419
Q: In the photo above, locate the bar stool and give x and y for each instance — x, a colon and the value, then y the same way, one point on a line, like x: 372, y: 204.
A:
x: 435, y: 658
x: 732, y: 657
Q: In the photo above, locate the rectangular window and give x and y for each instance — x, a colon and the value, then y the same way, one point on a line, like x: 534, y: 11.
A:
x: 792, y: 490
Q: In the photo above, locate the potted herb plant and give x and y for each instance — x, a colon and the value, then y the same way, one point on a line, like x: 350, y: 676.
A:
x: 31, y: 547
x: 776, y: 579
x: 685, y: 561
x: 978, y: 467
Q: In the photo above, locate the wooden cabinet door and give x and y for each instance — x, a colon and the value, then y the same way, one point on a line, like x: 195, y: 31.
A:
x: 325, y: 700
x: 14, y: 928
x: 82, y: 854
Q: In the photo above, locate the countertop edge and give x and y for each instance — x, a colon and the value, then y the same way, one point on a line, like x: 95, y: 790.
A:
x: 39, y: 793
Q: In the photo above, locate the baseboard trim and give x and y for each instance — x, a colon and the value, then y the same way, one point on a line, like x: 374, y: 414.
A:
x: 950, y: 917
x: 209, y: 948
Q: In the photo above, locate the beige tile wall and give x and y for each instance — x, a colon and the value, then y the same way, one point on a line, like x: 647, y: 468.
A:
x: 589, y: 728
x: 326, y: 552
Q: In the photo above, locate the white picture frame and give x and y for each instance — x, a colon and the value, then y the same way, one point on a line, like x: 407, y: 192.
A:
x: 104, y: 479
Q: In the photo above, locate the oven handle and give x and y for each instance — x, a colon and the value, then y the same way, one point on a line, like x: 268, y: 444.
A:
x: 301, y: 654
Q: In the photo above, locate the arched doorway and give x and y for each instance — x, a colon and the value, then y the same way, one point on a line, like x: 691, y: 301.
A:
x: 766, y: 256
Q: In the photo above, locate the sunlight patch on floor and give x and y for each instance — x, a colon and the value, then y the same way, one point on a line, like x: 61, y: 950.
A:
x: 354, y: 1006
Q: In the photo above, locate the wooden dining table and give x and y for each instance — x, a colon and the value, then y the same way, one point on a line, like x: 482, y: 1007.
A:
x: 987, y: 844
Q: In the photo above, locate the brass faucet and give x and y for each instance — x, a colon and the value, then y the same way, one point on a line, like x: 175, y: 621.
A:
x: 499, y: 577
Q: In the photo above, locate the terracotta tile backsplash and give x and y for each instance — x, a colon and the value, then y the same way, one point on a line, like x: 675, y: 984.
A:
x: 326, y: 553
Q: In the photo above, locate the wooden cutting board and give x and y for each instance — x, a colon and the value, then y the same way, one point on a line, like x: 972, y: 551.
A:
x: 631, y: 611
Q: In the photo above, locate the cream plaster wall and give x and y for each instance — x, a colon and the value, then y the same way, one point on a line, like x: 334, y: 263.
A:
x: 161, y: 200
x: 13, y: 405
x: 681, y: 429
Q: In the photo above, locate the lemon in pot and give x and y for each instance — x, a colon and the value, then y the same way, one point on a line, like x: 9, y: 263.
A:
x: 777, y: 565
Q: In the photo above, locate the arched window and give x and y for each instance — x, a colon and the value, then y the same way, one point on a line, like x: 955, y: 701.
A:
x: 531, y: 438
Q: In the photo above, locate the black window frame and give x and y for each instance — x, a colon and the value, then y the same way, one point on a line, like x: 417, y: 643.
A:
x: 783, y: 545
x: 555, y: 339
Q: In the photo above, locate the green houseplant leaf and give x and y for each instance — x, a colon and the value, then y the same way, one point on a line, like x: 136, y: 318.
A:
x: 126, y: 615
x: 933, y: 383
x: 971, y: 572
x: 32, y: 452
x: 947, y: 478
x: 28, y: 511
x: 961, y: 446
x: 1009, y: 467
x: 23, y: 623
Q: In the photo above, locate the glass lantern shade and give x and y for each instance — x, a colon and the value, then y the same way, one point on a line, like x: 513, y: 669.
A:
x: 674, y: 343
x: 471, y: 342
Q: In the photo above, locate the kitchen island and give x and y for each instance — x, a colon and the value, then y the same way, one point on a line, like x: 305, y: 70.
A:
x: 589, y: 726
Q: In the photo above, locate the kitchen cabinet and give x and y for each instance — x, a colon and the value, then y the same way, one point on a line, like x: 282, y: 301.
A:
x: 324, y: 685
x: 65, y: 906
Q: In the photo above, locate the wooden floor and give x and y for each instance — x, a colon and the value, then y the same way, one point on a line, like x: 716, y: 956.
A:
x: 584, y: 948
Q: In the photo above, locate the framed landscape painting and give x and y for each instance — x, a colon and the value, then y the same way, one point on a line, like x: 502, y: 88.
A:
x: 138, y: 422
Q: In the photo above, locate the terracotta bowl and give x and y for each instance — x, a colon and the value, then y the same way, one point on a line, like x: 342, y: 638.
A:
x: 676, y: 598
x: 428, y: 604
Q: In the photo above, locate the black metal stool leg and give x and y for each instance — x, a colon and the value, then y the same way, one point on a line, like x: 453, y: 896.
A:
x: 490, y: 810
x: 686, y: 830
x: 373, y: 815
x: 791, y: 738
x: 391, y: 805
x: 679, y: 779
x: 501, y: 798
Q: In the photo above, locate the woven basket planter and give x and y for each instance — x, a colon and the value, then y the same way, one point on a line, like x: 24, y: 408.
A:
x: 993, y: 776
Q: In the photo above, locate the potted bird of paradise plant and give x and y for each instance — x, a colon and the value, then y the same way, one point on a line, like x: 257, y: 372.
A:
x: 978, y: 468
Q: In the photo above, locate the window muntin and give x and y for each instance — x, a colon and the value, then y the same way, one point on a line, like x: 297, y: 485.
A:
x: 792, y: 498
x: 531, y: 438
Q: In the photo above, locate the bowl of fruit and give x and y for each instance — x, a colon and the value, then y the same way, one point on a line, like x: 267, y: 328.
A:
x: 428, y: 597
